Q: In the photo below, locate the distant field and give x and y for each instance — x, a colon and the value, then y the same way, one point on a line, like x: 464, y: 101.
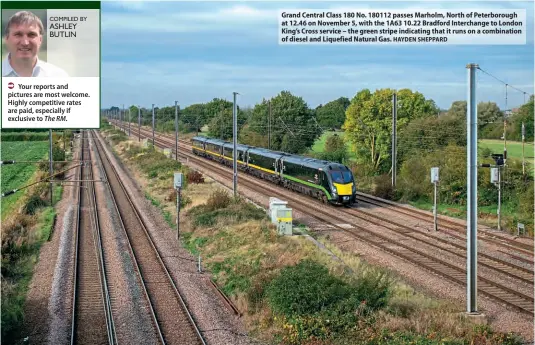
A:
x: 17, y: 175
x: 319, y: 145
x: 514, y: 148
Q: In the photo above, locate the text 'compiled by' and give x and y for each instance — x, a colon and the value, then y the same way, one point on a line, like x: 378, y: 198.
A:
x: 64, y: 26
x: 402, y: 27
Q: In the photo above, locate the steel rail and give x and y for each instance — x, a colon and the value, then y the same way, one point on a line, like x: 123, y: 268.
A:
x: 93, y: 215
x: 218, y: 167
x: 112, y: 335
x: 131, y: 250
x: 420, y: 214
x: 454, y: 226
x: 137, y: 213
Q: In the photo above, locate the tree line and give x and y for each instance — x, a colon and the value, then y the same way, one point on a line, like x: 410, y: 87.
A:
x: 427, y: 136
x: 285, y: 122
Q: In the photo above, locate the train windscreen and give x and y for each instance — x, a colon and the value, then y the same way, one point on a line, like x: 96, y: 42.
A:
x: 341, y: 176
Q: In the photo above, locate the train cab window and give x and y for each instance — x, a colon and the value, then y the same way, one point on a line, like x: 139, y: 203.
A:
x: 340, y: 176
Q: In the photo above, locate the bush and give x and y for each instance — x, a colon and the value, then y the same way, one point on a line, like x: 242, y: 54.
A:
x: 383, y: 187
x: 220, y: 206
x: 195, y: 177
x: 316, y: 305
x: 33, y: 204
x: 306, y: 288
x: 218, y: 199
x: 411, y: 175
x: 236, y: 213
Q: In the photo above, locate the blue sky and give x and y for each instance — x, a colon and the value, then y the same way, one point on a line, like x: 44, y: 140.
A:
x: 159, y: 52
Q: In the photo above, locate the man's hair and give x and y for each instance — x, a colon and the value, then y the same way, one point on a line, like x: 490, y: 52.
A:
x: 24, y: 17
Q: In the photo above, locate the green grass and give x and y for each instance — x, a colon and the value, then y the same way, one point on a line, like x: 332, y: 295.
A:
x: 17, y: 175
x: 18, y: 262
x: 319, y: 144
x: 514, y: 148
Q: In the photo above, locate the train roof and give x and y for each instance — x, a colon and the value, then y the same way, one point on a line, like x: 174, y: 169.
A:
x: 265, y: 152
x: 314, y: 163
x: 199, y: 138
x: 241, y: 147
x: 307, y: 161
x: 215, y: 141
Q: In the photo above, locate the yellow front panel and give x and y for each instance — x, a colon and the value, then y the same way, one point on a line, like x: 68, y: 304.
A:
x: 344, y: 189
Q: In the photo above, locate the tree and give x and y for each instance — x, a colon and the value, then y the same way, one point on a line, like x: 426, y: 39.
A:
x: 192, y: 117
x: 221, y: 126
x: 488, y: 113
x: 514, y: 123
x: 214, y: 108
x: 430, y: 134
x: 133, y: 114
x: 334, y: 143
x: 368, y: 123
x: 332, y: 115
x: 292, y: 126
x: 335, y: 149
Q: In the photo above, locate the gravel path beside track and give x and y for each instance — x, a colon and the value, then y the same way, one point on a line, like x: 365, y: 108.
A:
x: 40, y: 315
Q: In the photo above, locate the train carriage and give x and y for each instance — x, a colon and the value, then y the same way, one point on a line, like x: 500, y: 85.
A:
x: 306, y: 175
x: 328, y: 181
x: 214, y: 149
x: 197, y: 144
x: 264, y: 163
x: 228, y: 149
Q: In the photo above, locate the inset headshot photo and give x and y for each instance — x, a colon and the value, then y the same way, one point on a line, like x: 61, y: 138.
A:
x: 57, y: 43
x: 24, y: 46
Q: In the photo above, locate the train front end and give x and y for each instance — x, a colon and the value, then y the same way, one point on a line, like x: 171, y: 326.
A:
x: 343, y: 187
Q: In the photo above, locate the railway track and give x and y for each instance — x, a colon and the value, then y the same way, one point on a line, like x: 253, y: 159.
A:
x: 170, y: 315
x: 447, y: 224
x: 487, y: 287
x: 455, y: 228
x: 92, y: 321
x: 448, y: 246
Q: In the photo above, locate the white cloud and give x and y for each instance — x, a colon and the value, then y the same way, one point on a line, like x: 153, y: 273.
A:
x: 129, y: 4
x: 189, y: 81
x: 237, y: 18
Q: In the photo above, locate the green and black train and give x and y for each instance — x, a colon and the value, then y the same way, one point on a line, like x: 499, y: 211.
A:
x: 327, y: 181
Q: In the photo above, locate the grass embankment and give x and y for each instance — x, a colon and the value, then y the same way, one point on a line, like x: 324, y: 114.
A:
x: 288, y: 290
x: 18, y: 175
x: 514, y: 149
x: 27, y: 223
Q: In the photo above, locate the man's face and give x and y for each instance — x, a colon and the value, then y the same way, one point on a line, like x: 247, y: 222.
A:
x: 24, y: 41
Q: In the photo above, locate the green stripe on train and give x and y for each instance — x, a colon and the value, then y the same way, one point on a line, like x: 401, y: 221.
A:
x: 308, y: 184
